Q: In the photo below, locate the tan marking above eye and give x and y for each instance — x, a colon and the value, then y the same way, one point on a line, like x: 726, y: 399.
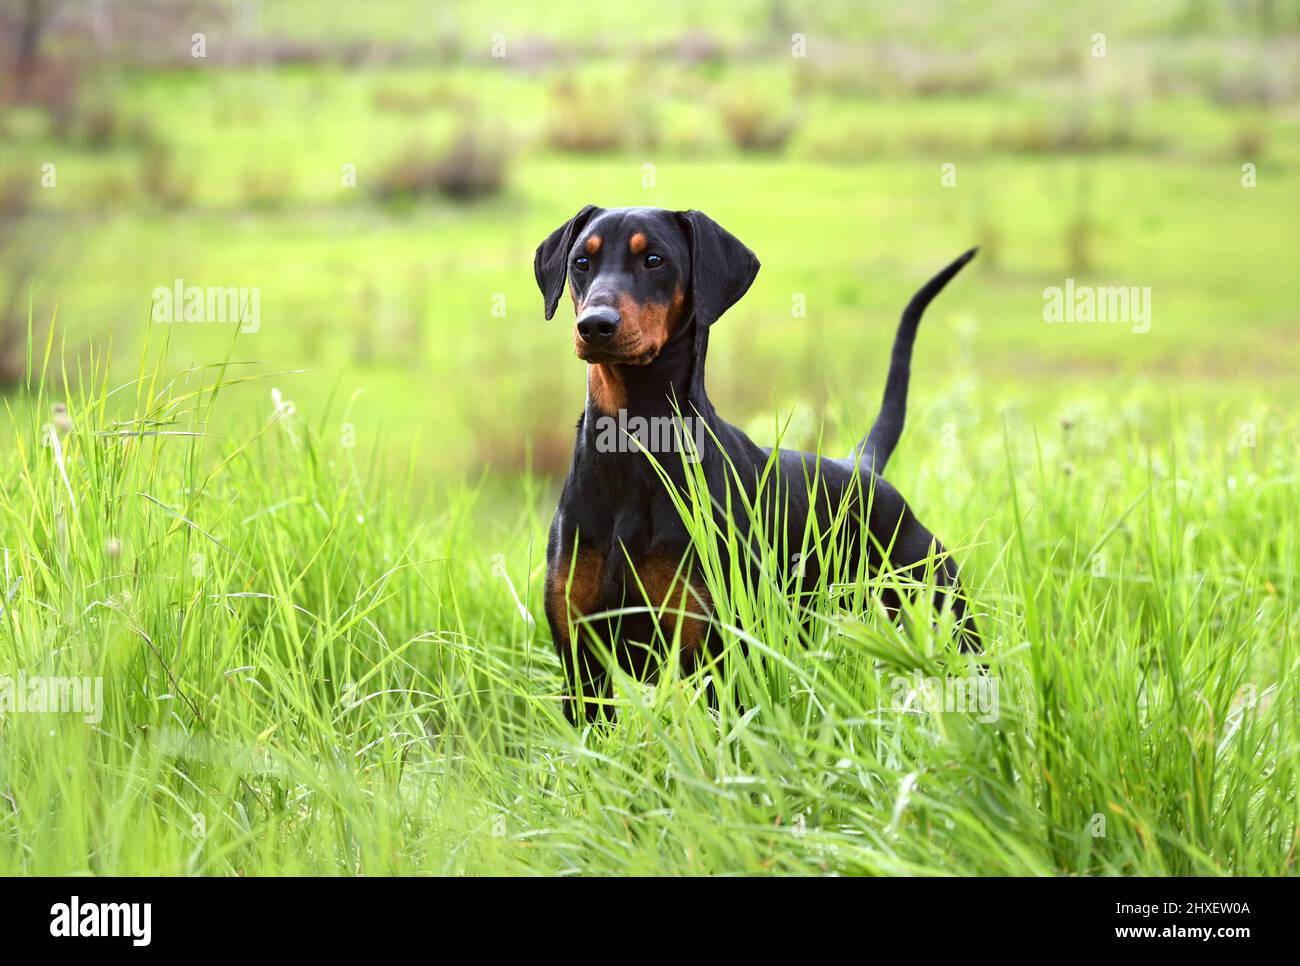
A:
x: 593, y: 244
x: 637, y: 243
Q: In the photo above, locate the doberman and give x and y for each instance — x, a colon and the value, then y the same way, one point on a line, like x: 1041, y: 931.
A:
x: 647, y: 286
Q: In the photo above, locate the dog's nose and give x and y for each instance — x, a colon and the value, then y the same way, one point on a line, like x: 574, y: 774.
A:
x: 598, y: 325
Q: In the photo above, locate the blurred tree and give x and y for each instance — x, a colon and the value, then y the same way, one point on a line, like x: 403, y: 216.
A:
x: 33, y: 18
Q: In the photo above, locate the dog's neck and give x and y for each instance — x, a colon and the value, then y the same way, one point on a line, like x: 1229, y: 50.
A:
x: 641, y: 402
x: 648, y: 390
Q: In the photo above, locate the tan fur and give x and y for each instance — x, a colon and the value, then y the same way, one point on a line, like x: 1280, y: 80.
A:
x: 608, y: 391
x: 673, y: 594
x: 645, y: 328
x: 573, y: 588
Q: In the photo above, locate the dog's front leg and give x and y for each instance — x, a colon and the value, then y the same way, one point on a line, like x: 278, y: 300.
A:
x: 587, y: 689
x: 572, y: 589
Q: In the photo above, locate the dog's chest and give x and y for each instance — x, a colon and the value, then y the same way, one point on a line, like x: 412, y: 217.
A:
x: 603, y: 563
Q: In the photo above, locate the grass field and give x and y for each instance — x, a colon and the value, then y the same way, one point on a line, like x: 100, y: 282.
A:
x: 305, y: 676
x: 403, y: 300
x: 306, y: 561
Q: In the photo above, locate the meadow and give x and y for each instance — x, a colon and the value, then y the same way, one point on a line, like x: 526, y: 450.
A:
x: 306, y: 561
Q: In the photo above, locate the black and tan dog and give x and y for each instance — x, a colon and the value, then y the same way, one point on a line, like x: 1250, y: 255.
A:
x: 647, y: 286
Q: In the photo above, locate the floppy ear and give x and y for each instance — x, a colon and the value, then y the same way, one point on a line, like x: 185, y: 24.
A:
x: 722, y: 268
x: 551, y: 263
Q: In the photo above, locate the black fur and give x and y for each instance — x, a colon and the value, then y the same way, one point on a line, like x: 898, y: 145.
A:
x: 615, y: 510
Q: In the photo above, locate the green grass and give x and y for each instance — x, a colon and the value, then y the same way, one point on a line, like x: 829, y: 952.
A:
x: 309, y: 629
x: 851, y: 217
x: 302, y: 675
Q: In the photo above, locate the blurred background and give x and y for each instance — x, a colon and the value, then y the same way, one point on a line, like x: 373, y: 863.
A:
x: 381, y: 172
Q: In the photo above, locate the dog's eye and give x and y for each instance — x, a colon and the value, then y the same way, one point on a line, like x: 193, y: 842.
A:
x: 653, y: 261
x: 582, y: 263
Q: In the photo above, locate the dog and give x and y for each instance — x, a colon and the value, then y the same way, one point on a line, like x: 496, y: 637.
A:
x: 648, y: 285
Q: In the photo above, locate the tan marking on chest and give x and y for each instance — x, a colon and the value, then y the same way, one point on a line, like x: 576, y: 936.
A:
x: 607, y: 389
x: 573, y: 587
x: 677, y: 596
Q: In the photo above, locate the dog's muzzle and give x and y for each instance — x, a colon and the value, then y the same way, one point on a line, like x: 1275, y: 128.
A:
x: 598, y: 326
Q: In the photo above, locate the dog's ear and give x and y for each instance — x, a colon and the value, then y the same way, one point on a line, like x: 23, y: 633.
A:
x: 551, y: 263
x: 722, y: 268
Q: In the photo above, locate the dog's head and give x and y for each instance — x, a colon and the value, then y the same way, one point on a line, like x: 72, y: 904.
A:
x: 639, y: 276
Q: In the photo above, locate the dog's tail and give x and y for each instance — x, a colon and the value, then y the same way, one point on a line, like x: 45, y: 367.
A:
x: 874, y: 451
